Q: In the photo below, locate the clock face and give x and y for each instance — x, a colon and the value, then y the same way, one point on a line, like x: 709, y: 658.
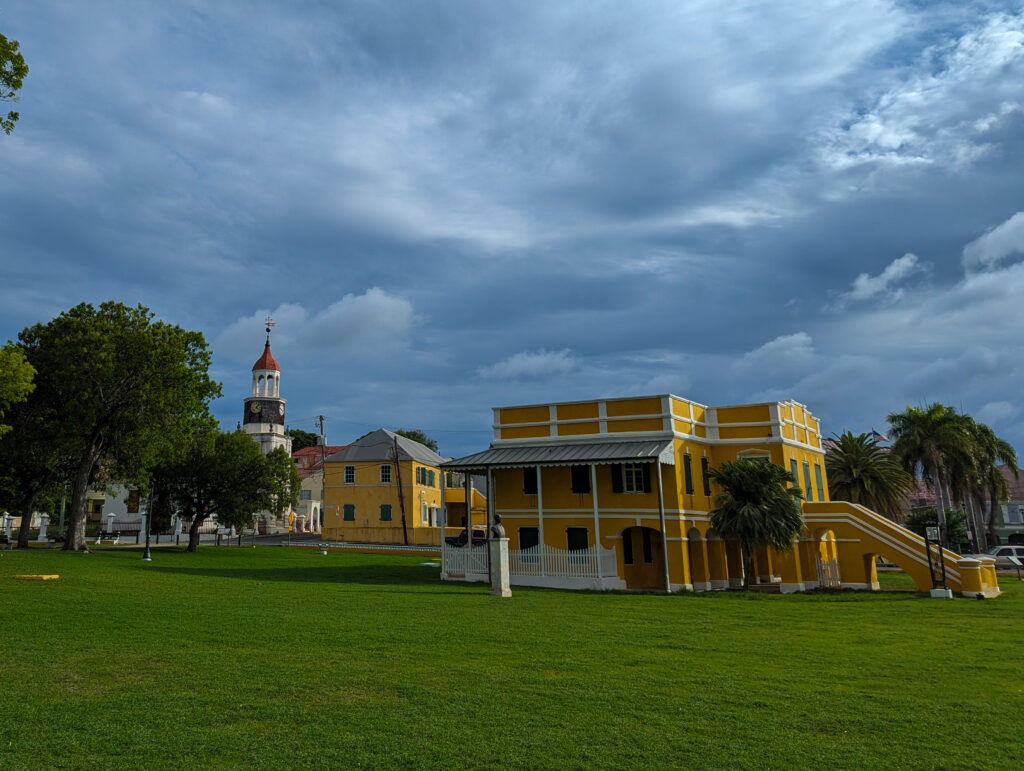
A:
x: 264, y: 411
x: 255, y: 408
x: 280, y: 410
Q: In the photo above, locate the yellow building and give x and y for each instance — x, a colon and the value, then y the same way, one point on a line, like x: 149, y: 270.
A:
x: 372, y: 481
x: 614, y: 494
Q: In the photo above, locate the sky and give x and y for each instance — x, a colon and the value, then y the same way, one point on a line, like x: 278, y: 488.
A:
x: 452, y: 206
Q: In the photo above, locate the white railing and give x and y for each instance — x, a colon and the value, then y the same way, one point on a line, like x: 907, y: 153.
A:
x: 463, y: 560
x: 593, y: 562
x: 828, y: 573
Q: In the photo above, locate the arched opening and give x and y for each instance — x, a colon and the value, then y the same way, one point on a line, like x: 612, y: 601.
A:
x: 695, y: 545
x: 261, y: 386
x: 643, y: 558
x: 734, y: 563
x: 826, y: 559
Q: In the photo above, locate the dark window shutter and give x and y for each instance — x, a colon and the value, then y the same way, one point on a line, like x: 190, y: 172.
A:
x: 530, y: 480
x: 627, y: 547
x: 580, y: 479
x: 688, y: 473
x: 616, y: 477
x: 647, y: 477
x: 704, y: 473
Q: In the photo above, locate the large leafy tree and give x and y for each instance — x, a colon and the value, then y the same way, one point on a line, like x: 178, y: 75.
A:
x: 935, y: 442
x: 225, y: 475
x: 418, y: 436
x: 129, y: 390
x: 861, y: 472
x: 12, y: 73
x: 15, y: 380
x: 301, y: 439
x: 956, y: 523
x: 757, y: 505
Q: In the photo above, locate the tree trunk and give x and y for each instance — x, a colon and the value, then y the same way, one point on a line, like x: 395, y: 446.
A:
x: 193, y: 533
x: 940, y: 509
x: 748, y: 568
x: 75, y: 536
x: 991, y: 530
x: 26, y: 519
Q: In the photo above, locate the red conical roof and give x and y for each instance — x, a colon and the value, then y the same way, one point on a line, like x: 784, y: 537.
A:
x: 267, y: 360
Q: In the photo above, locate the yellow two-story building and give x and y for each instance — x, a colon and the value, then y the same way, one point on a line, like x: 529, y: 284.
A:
x: 370, y: 484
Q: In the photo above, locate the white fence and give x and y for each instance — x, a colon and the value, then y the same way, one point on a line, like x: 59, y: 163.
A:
x: 536, y: 561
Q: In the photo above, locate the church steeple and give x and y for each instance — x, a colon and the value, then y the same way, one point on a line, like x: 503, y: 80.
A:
x: 264, y: 408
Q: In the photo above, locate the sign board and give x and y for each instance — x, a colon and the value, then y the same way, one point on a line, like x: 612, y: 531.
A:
x: 1015, y: 561
x: 931, y: 533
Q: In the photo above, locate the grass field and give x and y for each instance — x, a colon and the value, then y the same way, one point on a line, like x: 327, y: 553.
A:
x: 275, y: 658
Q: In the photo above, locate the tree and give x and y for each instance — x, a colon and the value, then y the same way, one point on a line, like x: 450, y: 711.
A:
x: 225, y: 475
x: 861, y: 472
x: 301, y: 439
x: 12, y: 72
x: 936, y: 442
x: 988, y: 481
x: 757, y: 506
x: 418, y: 436
x: 956, y: 523
x: 128, y: 390
x: 15, y: 379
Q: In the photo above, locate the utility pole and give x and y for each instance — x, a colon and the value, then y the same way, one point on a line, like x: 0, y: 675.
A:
x: 323, y: 471
x: 401, y: 494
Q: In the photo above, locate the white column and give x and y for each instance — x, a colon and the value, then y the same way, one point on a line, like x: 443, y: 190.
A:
x: 540, y: 522
x: 597, y: 523
x: 8, y: 525
x: 661, y: 519
x: 144, y: 521
x: 44, y: 519
x: 110, y: 522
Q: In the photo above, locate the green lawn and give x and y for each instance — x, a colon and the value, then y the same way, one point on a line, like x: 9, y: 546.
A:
x: 273, y: 658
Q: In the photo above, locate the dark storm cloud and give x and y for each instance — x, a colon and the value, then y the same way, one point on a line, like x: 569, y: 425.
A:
x: 453, y: 205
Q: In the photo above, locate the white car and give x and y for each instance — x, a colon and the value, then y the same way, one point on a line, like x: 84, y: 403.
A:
x: 1003, y: 554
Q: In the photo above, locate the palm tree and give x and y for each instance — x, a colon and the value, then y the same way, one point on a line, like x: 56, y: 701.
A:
x: 935, y: 441
x: 861, y: 472
x: 757, y: 506
x: 989, y: 453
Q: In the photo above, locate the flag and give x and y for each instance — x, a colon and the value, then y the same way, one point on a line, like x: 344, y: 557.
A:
x: 877, y: 437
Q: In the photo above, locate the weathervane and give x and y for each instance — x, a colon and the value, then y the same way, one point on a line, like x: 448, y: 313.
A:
x: 270, y: 324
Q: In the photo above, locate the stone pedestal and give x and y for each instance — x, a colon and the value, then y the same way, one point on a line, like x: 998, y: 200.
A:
x: 44, y: 520
x: 110, y: 523
x: 8, y: 525
x: 943, y: 594
x: 500, y: 586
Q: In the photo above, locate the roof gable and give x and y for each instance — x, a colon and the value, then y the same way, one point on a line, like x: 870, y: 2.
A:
x: 379, y: 445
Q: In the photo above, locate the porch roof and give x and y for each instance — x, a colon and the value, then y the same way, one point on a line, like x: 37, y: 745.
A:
x: 564, y: 454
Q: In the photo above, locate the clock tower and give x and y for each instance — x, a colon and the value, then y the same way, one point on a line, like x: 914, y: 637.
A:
x: 264, y: 408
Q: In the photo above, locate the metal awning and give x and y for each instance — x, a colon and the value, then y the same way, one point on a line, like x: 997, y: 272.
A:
x: 566, y: 454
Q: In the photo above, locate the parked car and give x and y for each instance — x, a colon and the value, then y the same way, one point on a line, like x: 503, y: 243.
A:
x: 479, y: 538
x: 1003, y: 554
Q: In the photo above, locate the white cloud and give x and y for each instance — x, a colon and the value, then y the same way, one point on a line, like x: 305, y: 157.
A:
x: 526, y: 364
x: 938, y: 110
x: 868, y: 287
x: 371, y: 324
x: 782, y: 353
x: 997, y: 413
x: 996, y: 245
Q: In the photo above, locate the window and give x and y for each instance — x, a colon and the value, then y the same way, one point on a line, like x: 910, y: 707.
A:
x: 688, y: 473
x: 385, y: 512
x: 793, y: 471
x: 306, y: 495
x: 530, y: 480
x: 631, y: 478
x: 350, y: 475
x: 627, y: 547
x: 704, y: 473
x: 431, y: 478
x: 1015, y: 514
x: 576, y: 540
x: 424, y: 513
x: 580, y: 479
x: 648, y: 552
x: 807, y: 480
x: 452, y: 480
x: 426, y: 476
x: 385, y: 473
x: 435, y: 516
x: 528, y: 536
x: 349, y: 512
x: 817, y: 480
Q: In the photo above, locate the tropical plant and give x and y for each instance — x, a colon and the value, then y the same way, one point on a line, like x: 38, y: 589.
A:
x: 757, y: 506
x: 861, y: 472
x: 988, y: 481
x: 956, y: 523
x: 935, y: 442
